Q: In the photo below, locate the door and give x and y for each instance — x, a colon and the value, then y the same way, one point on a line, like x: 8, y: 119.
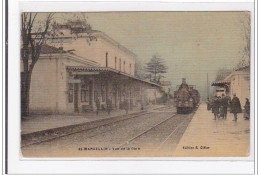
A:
x: 76, y: 102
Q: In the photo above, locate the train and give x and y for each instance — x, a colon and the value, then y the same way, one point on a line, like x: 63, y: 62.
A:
x: 186, y: 98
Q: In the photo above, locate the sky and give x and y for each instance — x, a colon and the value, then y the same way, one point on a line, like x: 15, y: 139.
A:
x: 191, y: 43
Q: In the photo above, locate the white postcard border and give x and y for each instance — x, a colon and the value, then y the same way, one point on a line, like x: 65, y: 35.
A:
x: 132, y: 165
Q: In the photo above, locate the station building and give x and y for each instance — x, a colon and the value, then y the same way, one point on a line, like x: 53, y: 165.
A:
x: 70, y: 78
x: 238, y: 82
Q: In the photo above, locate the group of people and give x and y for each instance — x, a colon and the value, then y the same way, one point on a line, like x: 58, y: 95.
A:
x: 219, y: 106
x: 109, y: 105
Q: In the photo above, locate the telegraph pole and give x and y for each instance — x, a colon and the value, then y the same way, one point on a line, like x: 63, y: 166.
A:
x: 207, y: 85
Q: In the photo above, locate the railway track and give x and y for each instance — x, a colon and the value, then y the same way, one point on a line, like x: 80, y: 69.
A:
x: 168, y: 139
x: 162, y: 108
x: 152, y: 132
x: 146, y: 131
x: 89, y: 129
x: 130, y: 116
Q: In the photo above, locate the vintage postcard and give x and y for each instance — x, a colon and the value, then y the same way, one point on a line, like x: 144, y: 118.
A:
x: 135, y: 84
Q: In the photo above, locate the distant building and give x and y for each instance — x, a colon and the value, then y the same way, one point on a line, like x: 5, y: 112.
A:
x: 166, y: 86
x: 152, y: 95
x: 70, y: 78
x: 238, y: 82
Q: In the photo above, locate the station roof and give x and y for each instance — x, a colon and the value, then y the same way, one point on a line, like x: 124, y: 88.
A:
x: 245, y: 68
x: 226, y: 81
x: 81, y: 70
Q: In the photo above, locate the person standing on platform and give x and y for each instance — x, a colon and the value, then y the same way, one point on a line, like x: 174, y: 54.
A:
x: 215, y: 107
x: 109, y: 105
x: 224, y: 103
x: 126, y: 106
x: 235, y: 106
x: 97, y: 105
x: 208, y: 104
x: 247, y: 110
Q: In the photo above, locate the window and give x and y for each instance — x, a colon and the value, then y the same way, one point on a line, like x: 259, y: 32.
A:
x: 84, y: 92
x: 106, y: 59
x: 120, y: 64
x: 115, y: 62
x: 70, y: 93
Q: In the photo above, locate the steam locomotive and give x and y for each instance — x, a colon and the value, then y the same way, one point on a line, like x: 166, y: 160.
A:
x: 186, y: 98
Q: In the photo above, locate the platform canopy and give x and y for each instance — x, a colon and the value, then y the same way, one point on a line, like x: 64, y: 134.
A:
x: 220, y: 83
x: 81, y: 70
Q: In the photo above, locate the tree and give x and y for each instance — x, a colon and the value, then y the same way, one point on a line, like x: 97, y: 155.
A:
x: 155, y: 67
x: 140, y: 70
x: 34, y: 34
x: 222, y: 74
x: 32, y: 41
x: 245, y: 33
